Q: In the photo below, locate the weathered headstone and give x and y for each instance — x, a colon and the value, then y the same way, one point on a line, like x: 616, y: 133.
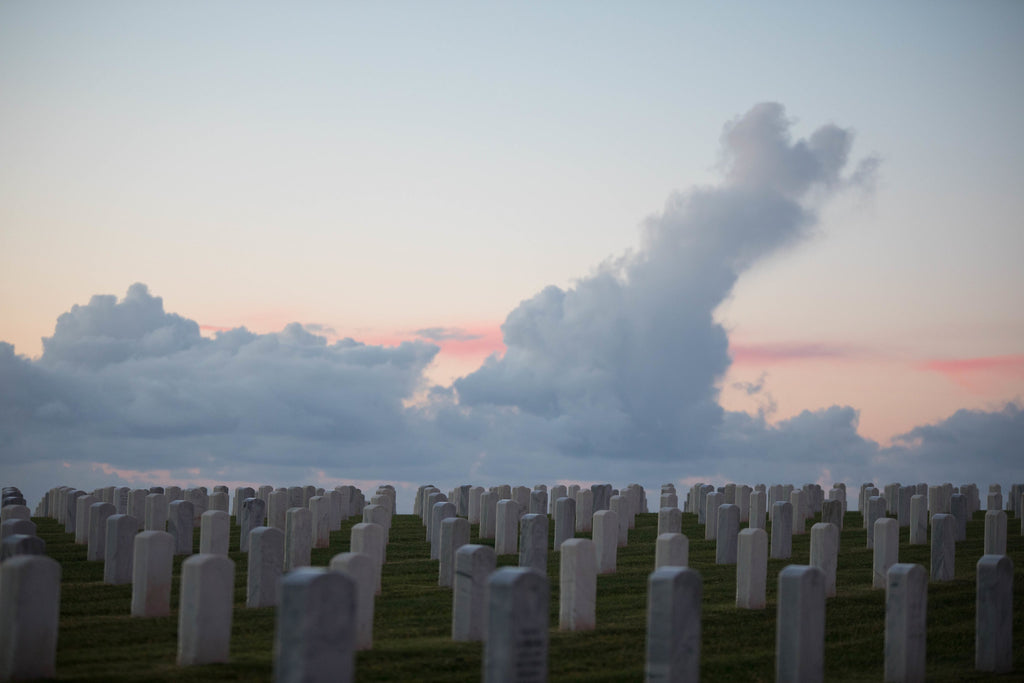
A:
x: 674, y: 597
x: 298, y: 538
x: 993, y: 629
x: 918, y: 520
x: 506, y: 534
x: 825, y: 553
x: 29, y: 616
x: 711, y: 503
x: 516, y: 649
x: 315, y: 636
x: 671, y: 550
x: 454, y: 535
x: 473, y: 565
x: 21, y: 544
x: 670, y: 521
x: 320, y: 521
x: 606, y: 540
x: 179, y: 525
x: 214, y: 532
x: 620, y: 505
x: 265, y: 566
x: 728, y: 531
x: 137, y: 506
x: 995, y: 532
x: 205, y: 609
x: 752, y: 568
x: 757, y: 510
x: 533, y: 542
x: 906, y: 602
x: 565, y: 521
x: 958, y: 508
x: 439, y: 512
x: 253, y: 512
x: 577, y: 586
x: 488, y: 514
x: 151, y: 574
x: 120, y: 549
x: 798, y: 500
x: 368, y: 538
x: 782, y: 538
x: 98, y: 514
x: 875, y: 511
x: 943, y: 551
x: 584, y: 511
x: 800, y: 625
x: 887, y: 549
x: 83, y: 506
x: 360, y: 568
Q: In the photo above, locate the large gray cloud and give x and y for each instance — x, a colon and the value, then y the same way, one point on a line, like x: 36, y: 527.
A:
x: 612, y: 379
x: 626, y: 362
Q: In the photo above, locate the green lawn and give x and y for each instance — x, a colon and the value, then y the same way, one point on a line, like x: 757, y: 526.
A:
x: 99, y: 641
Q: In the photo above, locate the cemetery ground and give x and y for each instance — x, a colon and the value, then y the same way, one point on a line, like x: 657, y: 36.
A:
x: 98, y: 640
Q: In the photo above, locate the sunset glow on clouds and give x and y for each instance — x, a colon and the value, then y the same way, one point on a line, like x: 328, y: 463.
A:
x: 368, y: 244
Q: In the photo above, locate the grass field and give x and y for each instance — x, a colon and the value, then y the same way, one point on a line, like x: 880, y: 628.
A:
x: 98, y: 640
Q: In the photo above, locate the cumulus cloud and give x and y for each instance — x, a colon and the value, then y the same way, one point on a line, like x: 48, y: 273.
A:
x: 125, y: 383
x: 613, y: 379
x: 626, y: 362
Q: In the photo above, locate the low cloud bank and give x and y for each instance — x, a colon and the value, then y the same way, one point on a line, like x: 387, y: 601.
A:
x: 613, y: 379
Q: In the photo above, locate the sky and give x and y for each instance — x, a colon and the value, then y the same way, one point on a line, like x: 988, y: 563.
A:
x: 444, y: 243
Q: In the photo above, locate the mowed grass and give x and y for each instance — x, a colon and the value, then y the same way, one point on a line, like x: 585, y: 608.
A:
x: 98, y: 640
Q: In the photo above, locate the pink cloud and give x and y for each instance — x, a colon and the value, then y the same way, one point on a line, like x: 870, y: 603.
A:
x: 978, y: 374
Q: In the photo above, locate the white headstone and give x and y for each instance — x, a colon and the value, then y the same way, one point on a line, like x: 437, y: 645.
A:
x: 488, y: 514
x: 29, y: 616
x: 918, y: 520
x: 315, y: 637
x: 533, y: 542
x: 151, y: 574
x: 253, y: 514
x: 298, y: 538
x: 565, y: 521
x: 757, y: 510
x: 906, y: 602
x: 205, y: 609
x: 98, y: 514
x: 368, y: 538
x: 993, y: 637
x: 577, y: 585
x: 712, y: 501
x: 516, y: 649
x: 265, y: 566
x: 674, y: 597
x: 361, y: 569
x: 320, y: 521
x: 782, y: 537
x: 606, y: 540
x: 473, y: 565
x: 995, y: 532
x: 728, y: 531
x: 887, y: 549
x: 584, y: 511
x: 943, y: 552
x: 179, y: 525
x: 120, y: 549
x: 800, y: 625
x: 752, y: 568
x: 214, y: 532
x: 506, y: 534
x: 671, y: 550
x: 825, y: 553
x: 670, y: 521
x: 454, y: 535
